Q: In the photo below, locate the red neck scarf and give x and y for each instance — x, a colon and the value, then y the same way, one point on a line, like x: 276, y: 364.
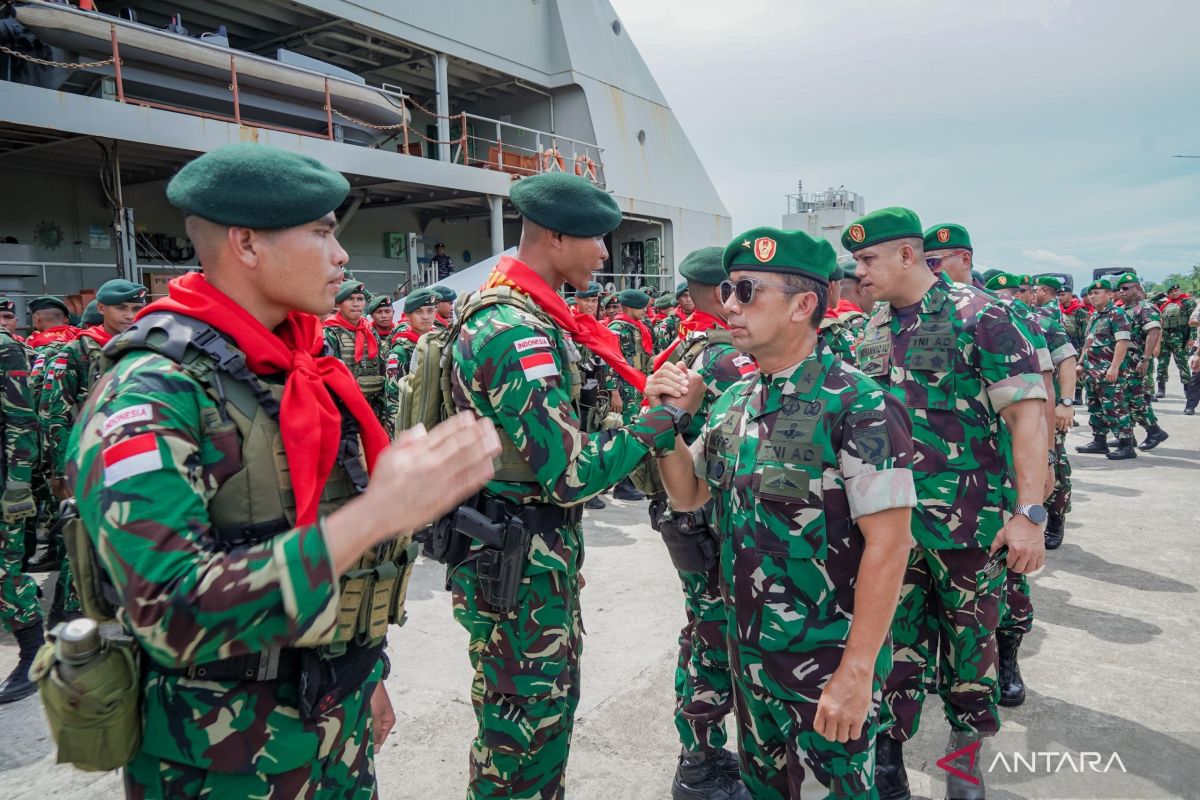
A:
x: 309, y: 419
x: 409, y: 334
x: 697, y: 322
x: 97, y: 332
x: 363, y: 340
x: 1072, y: 307
x: 585, y: 330
x: 59, y: 333
x: 647, y: 337
x: 438, y: 318
x: 1168, y: 302
x: 384, y: 333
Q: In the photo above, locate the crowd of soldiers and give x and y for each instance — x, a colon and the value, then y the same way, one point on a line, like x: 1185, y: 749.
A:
x: 853, y: 464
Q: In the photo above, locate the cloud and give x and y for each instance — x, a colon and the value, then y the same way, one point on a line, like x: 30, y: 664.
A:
x: 1054, y: 259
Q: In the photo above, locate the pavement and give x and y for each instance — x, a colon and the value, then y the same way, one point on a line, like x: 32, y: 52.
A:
x: 1114, y: 690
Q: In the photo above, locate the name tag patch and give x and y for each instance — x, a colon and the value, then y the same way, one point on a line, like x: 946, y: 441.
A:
x: 138, y: 413
x: 532, y: 343
x: 131, y: 457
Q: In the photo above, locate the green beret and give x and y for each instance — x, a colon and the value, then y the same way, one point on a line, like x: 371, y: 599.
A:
x: 651, y: 291
x: 445, y: 294
x: 977, y: 277
x: 7, y: 305
x: 1173, y: 286
x: 119, y: 290
x: 91, y: 314
x: 1002, y: 280
x: 566, y: 204
x: 786, y: 252
x: 947, y: 236
x: 593, y: 290
x: 257, y: 186
x: 988, y: 274
x: 879, y: 226
x: 681, y: 288
x: 703, y: 266
x: 420, y: 299
x: 1097, y: 284
x: 666, y: 301
x: 609, y: 300
x: 1128, y: 277
x: 633, y: 298
x: 46, y: 302
x: 847, y: 266
x: 571, y: 301
x: 377, y: 302
x: 1051, y: 281
x: 349, y: 288
x: 837, y: 274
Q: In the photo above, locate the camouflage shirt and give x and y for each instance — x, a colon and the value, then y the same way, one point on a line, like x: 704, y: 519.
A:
x: 68, y: 380
x: 837, y: 337
x: 16, y: 411
x: 956, y: 360
x: 1058, y: 341
x: 666, y: 331
x: 395, y: 367
x: 634, y: 352
x: 792, y: 460
x: 1108, y: 326
x: 1143, y: 318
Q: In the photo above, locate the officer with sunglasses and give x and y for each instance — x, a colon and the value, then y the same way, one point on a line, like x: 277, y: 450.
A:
x: 808, y: 467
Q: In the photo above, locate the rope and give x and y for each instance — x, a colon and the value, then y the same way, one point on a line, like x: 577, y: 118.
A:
x: 60, y: 64
x: 412, y: 129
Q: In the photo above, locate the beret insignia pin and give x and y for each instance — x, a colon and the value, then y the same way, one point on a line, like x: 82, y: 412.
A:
x: 764, y: 248
x: 943, y: 235
x: 857, y: 233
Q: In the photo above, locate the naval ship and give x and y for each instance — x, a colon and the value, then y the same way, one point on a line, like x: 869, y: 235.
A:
x: 431, y: 110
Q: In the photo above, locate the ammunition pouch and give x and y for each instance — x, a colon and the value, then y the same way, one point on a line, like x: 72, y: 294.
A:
x: 647, y: 478
x: 97, y: 596
x: 372, y: 597
x: 691, y: 542
x: 94, y: 709
x: 370, y: 385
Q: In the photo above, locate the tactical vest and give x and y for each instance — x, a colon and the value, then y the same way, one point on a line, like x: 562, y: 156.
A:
x: 642, y: 361
x: 369, y: 371
x: 1173, y: 316
x: 256, y: 503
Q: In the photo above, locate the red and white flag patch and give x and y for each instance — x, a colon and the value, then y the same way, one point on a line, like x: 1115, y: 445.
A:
x: 131, y: 457
x: 745, y: 364
x: 538, y: 365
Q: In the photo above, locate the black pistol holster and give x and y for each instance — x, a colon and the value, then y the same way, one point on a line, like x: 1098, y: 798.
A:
x: 691, y: 542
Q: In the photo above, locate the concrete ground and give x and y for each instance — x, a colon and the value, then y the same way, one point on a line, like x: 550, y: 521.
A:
x: 1111, y: 664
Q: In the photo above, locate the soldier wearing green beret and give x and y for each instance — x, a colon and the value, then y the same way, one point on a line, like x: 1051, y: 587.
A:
x: 351, y: 336
x: 513, y: 362
x: 598, y: 392
x: 948, y: 251
x: 220, y: 467
x: 835, y: 333
x: 961, y: 364
x: 637, y: 345
x: 1108, y: 340
x: 420, y: 307
x: 383, y: 319
x: 610, y: 307
x: 445, y: 306
x: 51, y: 323
x: 666, y: 328
x: 1175, y: 312
x: 808, y: 464
x: 1145, y: 327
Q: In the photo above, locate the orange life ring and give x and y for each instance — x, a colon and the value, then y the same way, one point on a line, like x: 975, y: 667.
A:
x: 551, y: 158
x: 585, y: 167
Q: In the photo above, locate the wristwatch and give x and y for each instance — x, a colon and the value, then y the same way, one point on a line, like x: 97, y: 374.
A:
x: 681, y: 419
x: 1069, y: 402
x: 1034, y: 512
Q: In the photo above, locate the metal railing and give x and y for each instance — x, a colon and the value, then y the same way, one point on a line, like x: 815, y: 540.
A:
x: 519, y: 150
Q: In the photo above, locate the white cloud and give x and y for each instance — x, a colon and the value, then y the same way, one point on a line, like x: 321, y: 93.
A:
x: 1054, y: 259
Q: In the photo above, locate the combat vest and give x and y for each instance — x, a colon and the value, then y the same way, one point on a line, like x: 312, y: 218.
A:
x: 1174, y: 316
x: 369, y: 371
x: 426, y: 395
x: 256, y: 503
x: 642, y: 361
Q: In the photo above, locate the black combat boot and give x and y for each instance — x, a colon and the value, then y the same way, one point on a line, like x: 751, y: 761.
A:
x: 46, y: 561
x: 1162, y: 391
x: 891, y: 779
x: 727, y: 762
x: 1189, y: 410
x: 1054, y: 531
x: 1012, y: 687
x: 959, y: 788
x: 595, y: 504
x: 17, y: 685
x: 1098, y: 445
x: 1124, y: 451
x: 700, y: 776
x: 625, y: 490
x: 1154, y: 437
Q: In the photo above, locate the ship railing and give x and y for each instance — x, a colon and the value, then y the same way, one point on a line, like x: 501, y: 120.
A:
x: 518, y: 150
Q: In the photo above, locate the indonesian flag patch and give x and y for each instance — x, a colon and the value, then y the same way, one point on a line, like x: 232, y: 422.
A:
x: 538, y: 365
x: 131, y: 457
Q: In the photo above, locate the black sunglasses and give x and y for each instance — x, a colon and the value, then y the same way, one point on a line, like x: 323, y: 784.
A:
x: 745, y: 288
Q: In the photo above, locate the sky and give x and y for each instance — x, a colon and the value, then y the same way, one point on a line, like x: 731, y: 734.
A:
x: 1046, y: 128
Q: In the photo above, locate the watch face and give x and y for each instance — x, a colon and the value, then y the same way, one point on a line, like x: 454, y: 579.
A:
x: 1036, y: 514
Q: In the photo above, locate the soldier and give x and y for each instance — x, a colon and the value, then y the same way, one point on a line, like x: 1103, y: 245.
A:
x: 637, y: 345
x: 20, y: 610
x: 834, y: 333
x: 1191, y: 389
x: 445, y: 306
x: 598, y: 394
x: 1075, y: 317
x: 382, y: 315
x: 611, y: 307
x: 442, y: 262
x: 960, y: 363
x: 1108, y: 341
x: 219, y: 574
x: 1145, y: 328
x: 8, y: 318
x: 703, y: 686
x: 512, y: 363
x: 666, y: 327
x: 1045, y: 294
x: 808, y: 465
x: 350, y: 336
x: 1174, y: 311
x: 51, y: 322
x: 420, y: 308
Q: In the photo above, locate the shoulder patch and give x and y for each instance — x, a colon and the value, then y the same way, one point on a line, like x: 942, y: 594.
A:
x: 873, y: 442
x: 131, y: 457
x: 531, y: 343
x: 118, y: 419
x: 538, y: 365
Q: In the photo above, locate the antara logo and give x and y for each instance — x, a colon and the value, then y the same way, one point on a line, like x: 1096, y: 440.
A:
x: 1052, y: 761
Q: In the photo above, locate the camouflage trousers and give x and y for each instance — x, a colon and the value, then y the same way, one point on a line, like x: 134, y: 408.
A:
x: 1059, y: 503
x: 631, y: 403
x: 526, y: 684
x: 783, y: 757
x: 1140, y: 410
x: 1148, y: 380
x: 1174, y: 344
x: 346, y: 773
x: 946, y: 622
x: 703, y: 687
x: 1108, y: 408
x: 1016, y: 610
x: 18, y: 592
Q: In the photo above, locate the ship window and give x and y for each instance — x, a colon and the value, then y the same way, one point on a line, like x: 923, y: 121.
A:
x: 616, y: 26
x: 641, y: 137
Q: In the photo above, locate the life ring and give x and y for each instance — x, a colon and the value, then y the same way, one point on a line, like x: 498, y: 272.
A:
x: 552, y: 159
x: 585, y: 167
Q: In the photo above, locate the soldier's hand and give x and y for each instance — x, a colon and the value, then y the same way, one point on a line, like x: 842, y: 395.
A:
x: 58, y: 487
x: 1063, y: 417
x: 17, y: 503
x: 1112, y: 374
x: 615, y: 403
x: 843, y: 706
x: 1048, y: 486
x: 1026, y: 544
x: 1141, y: 369
x: 666, y: 383
x: 383, y: 718
x: 1195, y: 363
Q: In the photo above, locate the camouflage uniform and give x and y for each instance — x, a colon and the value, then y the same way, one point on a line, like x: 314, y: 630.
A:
x: 1176, y: 333
x: 635, y: 354
x: 189, y: 603
x: 1108, y: 401
x: 1061, y: 348
x: 955, y: 360
x: 666, y: 330
x: 1143, y: 318
x: 509, y: 366
x: 792, y: 460
x: 837, y: 337
x: 19, y: 605
x: 395, y: 367
x: 368, y: 372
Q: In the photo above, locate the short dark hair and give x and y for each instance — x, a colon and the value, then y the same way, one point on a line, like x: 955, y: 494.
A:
x: 821, y: 290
